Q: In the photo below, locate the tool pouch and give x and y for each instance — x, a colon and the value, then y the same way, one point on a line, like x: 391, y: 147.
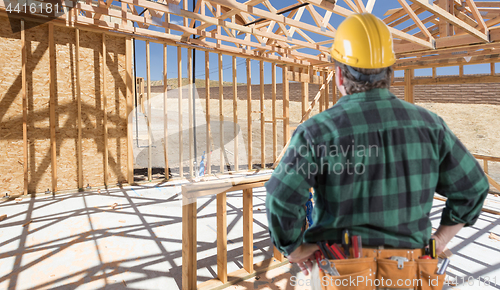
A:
x: 377, y: 270
x: 394, y: 274
x: 427, y: 269
x: 354, y: 274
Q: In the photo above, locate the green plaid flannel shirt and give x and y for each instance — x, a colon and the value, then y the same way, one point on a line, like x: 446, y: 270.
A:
x: 374, y: 162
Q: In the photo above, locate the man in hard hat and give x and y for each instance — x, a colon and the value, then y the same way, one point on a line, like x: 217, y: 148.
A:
x: 374, y: 162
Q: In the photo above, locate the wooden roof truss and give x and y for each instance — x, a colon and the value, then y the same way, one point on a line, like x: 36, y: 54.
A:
x: 424, y: 31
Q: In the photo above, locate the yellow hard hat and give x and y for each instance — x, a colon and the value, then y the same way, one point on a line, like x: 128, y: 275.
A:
x: 363, y: 41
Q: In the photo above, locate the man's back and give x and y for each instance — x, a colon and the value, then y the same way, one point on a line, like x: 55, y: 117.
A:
x: 378, y: 161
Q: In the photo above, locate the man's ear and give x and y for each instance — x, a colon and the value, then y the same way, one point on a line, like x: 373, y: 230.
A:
x: 339, y: 76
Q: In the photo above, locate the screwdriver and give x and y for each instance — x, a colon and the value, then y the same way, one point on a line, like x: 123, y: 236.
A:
x: 345, y: 242
x: 432, y: 248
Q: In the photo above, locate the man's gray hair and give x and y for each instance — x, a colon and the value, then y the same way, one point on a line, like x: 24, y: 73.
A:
x: 353, y: 85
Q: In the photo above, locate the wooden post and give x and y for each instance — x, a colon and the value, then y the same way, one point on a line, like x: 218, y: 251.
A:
x: 188, y: 244
x: 485, y: 166
x: 165, y: 109
x: 208, y: 165
x: 150, y: 149
x: 221, y: 115
x: 327, y: 91
x: 286, y: 117
x: 52, y: 105
x: 321, y: 99
x: 190, y: 111
x: 222, y: 237
x: 105, y: 109
x: 305, y: 95
x: 262, y: 120
x: 278, y: 255
x: 25, y: 107
x: 130, y: 108
x: 445, y: 28
x: 235, y: 116
x: 179, y: 88
x: 334, y: 90
x: 248, y: 230
x: 275, y: 124
x: 434, y: 72
x: 492, y: 68
x: 79, y: 115
x: 461, y: 70
x: 249, y: 114
x: 409, y: 85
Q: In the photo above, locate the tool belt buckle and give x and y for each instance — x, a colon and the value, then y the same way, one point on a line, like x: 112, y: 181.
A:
x: 401, y: 261
x: 328, y: 267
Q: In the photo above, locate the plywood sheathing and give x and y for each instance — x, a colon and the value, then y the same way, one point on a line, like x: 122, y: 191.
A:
x: 66, y: 108
x: 38, y: 92
x: 92, y: 114
x: 117, y: 108
x: 11, y: 122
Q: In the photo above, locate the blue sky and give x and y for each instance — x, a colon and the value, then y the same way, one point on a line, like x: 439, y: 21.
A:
x: 381, y: 6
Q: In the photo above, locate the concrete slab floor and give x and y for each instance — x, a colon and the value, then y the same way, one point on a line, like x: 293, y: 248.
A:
x: 77, y: 241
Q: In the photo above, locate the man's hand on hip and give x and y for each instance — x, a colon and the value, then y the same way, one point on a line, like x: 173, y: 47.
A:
x: 304, y: 257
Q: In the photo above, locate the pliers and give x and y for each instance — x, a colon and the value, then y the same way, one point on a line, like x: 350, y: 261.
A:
x: 322, y: 258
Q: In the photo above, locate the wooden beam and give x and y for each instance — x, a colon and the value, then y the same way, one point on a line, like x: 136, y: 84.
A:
x: 222, y: 237
x: 443, y: 14
x: 286, y: 104
x: 249, y: 114
x: 248, y: 230
x: 165, y: 110
x: 148, y: 119
x: 272, y: 16
x: 321, y: 99
x: 208, y: 165
x: 278, y: 255
x: 221, y: 116
x: 305, y: 95
x: 25, y: 107
x: 369, y: 6
x: 190, y: 112
x: 477, y: 16
x: 361, y: 7
x: 262, y: 120
x: 130, y: 107
x: 409, y: 85
x: 189, y: 241
x: 275, y: 125
x: 179, y: 88
x: 242, y: 275
x: 461, y: 70
x: 105, y: 110
x: 445, y: 28
x: 327, y: 91
x: 492, y: 68
x: 235, y: 116
x: 52, y: 105
x: 415, y: 18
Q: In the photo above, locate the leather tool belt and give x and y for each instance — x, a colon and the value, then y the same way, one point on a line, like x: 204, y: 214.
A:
x: 384, y: 268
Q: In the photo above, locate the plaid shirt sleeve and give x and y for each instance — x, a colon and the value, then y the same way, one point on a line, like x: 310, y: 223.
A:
x: 288, y: 192
x: 461, y: 180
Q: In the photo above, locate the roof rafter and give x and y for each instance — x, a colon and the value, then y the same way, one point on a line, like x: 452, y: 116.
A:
x: 417, y: 20
x: 452, y: 19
